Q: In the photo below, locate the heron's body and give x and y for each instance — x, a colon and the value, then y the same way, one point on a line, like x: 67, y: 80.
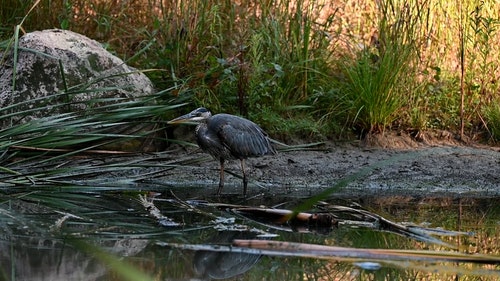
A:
x: 226, y: 137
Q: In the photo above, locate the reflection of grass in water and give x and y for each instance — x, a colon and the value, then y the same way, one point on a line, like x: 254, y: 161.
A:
x: 117, y: 215
x: 123, y: 269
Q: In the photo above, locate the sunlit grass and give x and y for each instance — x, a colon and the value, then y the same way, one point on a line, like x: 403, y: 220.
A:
x: 266, y: 59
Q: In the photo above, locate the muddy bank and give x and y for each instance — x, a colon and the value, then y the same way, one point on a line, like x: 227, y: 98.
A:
x: 354, y: 169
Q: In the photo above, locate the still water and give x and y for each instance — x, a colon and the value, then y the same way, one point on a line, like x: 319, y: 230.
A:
x: 58, y: 233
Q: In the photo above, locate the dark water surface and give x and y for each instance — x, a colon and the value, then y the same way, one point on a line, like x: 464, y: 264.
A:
x: 54, y: 233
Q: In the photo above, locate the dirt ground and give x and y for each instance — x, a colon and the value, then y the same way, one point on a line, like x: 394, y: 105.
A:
x: 389, y: 165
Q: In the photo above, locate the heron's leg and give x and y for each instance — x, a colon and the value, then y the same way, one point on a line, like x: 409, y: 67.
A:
x: 245, y: 180
x: 221, y: 177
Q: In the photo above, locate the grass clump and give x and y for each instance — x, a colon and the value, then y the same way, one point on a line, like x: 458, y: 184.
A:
x: 373, y: 90
x: 376, y: 82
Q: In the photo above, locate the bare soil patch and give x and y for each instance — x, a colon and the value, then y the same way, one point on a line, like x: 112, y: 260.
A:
x: 393, y: 164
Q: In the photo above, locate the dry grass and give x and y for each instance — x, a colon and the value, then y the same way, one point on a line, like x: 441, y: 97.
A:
x: 217, y: 49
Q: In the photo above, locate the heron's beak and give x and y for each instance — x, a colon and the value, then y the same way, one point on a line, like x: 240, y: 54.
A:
x: 181, y: 119
x: 190, y: 117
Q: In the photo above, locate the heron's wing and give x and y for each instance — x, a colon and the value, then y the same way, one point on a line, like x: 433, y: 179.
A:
x: 242, y: 137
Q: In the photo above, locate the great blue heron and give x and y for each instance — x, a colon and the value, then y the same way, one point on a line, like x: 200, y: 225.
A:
x: 226, y: 136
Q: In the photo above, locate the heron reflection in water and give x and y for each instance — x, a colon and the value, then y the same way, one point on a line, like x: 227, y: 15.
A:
x: 222, y: 265
x: 226, y: 137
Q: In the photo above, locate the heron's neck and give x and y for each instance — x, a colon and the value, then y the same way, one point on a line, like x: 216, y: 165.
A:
x: 199, y: 126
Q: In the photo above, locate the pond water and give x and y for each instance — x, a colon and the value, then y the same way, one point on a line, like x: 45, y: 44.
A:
x: 144, y: 233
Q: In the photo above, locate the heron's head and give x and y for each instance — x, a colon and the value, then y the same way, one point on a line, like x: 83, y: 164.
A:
x: 197, y: 115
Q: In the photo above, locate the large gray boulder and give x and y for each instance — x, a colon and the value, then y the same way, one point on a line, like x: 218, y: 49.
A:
x: 91, y: 74
x: 43, y: 57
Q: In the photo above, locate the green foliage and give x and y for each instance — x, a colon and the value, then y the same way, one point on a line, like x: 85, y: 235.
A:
x: 440, y: 102
x: 289, y: 58
x: 11, y: 13
x: 268, y: 59
x: 480, y: 56
x: 293, y: 121
x: 273, y: 58
x: 478, y: 62
x: 434, y: 104
x: 122, y: 122
x: 492, y: 116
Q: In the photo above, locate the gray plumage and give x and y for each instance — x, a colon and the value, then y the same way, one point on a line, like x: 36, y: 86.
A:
x: 226, y: 136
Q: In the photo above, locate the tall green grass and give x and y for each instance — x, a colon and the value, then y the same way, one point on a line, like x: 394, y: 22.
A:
x: 379, y: 80
x: 290, y: 61
x: 246, y: 59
